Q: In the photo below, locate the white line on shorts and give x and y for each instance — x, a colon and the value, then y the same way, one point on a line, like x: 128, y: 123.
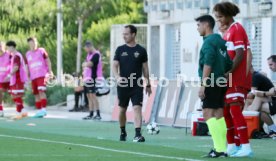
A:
x: 100, y: 148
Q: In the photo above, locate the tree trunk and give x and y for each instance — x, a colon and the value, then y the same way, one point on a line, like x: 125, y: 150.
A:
x: 80, y: 23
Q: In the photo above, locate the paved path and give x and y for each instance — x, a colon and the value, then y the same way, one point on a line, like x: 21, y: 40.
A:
x: 56, y: 112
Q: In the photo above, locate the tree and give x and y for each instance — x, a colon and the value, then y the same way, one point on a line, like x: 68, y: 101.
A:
x: 81, y: 10
x: 23, y: 18
x: 121, y: 12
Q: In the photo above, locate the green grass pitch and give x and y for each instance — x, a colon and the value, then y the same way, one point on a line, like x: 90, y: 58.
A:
x: 69, y: 140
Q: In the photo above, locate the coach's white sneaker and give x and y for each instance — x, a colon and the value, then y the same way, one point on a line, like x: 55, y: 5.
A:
x: 245, y: 151
x: 1, y: 113
x: 232, y: 149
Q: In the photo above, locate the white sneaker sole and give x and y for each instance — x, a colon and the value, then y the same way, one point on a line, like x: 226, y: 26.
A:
x: 242, y: 155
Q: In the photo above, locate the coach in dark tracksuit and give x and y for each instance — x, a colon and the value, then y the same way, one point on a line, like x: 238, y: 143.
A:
x: 129, y: 63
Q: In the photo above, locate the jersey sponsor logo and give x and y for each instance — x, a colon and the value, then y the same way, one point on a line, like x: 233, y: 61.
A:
x: 4, y: 69
x: 124, y: 54
x: 136, y: 54
x: 36, y: 64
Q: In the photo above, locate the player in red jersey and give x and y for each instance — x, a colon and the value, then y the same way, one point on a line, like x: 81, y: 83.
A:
x: 17, y: 77
x: 239, y: 79
x: 4, y: 71
x: 39, y: 66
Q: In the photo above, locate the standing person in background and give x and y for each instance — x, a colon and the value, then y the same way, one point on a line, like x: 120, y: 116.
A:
x: 237, y: 46
x: 17, y: 77
x: 4, y: 71
x: 92, y: 69
x: 130, y: 62
x: 39, y: 65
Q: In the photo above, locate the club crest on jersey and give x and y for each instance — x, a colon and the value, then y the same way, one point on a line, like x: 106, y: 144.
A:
x: 223, y: 53
x: 136, y: 54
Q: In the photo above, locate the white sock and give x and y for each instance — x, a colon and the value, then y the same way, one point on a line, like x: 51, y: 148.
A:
x: 23, y: 110
x: 272, y: 127
x: 43, y: 109
x: 246, y: 147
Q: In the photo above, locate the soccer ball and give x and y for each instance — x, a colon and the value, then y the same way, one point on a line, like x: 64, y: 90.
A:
x: 153, y: 128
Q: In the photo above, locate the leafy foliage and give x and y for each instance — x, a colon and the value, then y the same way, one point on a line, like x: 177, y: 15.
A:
x: 55, y: 95
x: 21, y: 19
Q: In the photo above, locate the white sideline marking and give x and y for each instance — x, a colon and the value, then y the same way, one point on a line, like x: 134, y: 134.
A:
x: 40, y: 155
x: 100, y: 148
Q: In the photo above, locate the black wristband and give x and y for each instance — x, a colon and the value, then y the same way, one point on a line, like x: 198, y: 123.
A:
x: 265, y: 95
x: 148, y: 86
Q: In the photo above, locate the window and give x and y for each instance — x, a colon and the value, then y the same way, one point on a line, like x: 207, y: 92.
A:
x: 236, y: 1
x: 163, y: 7
x: 215, y: 1
x: 146, y: 6
x: 171, y: 6
x: 189, y: 4
x: 179, y: 4
x: 153, y: 7
x: 197, y: 3
x: 253, y: 28
x: 205, y: 3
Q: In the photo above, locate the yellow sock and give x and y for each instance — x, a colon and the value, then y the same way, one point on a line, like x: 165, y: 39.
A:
x: 222, y: 130
x: 213, y: 129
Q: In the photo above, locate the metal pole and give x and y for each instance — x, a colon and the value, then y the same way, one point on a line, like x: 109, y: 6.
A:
x: 59, y: 41
x: 80, y: 24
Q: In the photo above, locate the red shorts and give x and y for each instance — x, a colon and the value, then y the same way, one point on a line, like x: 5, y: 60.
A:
x: 16, y: 89
x: 236, y: 95
x: 38, y: 85
x: 5, y: 86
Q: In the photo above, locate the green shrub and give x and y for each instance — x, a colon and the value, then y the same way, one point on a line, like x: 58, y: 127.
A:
x: 29, y: 98
x: 58, y: 94
x: 55, y: 95
x: 7, y: 99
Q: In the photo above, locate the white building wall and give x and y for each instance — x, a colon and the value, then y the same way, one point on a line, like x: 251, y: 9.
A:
x: 164, y: 14
x: 162, y: 50
x: 267, y: 44
x: 190, y: 48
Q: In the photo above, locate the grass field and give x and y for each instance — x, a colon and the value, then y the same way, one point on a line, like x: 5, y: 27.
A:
x: 68, y: 140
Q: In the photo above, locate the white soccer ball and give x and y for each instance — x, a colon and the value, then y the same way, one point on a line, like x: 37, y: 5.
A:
x: 153, y: 128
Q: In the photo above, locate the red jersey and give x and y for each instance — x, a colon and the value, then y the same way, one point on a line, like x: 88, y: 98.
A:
x: 17, y: 63
x: 236, y: 38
